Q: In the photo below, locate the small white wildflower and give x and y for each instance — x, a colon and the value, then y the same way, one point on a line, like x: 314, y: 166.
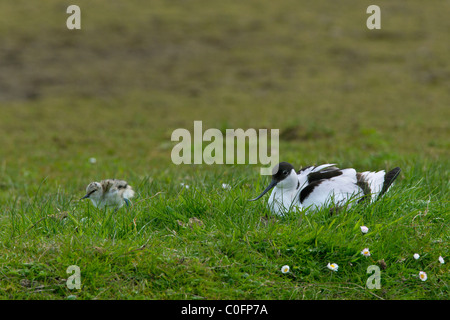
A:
x: 365, y: 252
x: 184, y: 185
x: 423, y: 276
x: 92, y: 160
x: 441, y: 260
x: 226, y: 186
x: 285, y: 269
x: 364, y: 229
x: 333, y: 266
x: 416, y: 256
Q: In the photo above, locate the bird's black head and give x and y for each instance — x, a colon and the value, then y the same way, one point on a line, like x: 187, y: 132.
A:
x: 280, y: 172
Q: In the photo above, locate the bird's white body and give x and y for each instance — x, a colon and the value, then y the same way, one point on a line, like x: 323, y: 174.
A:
x: 322, y: 186
x: 109, y: 193
x: 112, y: 198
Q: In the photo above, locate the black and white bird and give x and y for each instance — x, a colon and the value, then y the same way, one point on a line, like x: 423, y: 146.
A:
x: 314, y: 187
x: 109, y: 193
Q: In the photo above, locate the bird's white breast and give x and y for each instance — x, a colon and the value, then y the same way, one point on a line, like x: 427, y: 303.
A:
x: 282, y: 200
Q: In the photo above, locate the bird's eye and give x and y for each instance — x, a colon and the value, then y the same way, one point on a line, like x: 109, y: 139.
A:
x: 285, y: 172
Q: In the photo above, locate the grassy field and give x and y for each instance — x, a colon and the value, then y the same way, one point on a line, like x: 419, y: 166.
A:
x: 115, y: 91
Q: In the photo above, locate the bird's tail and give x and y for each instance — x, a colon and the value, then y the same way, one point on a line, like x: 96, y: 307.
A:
x: 389, y: 179
x: 379, y: 182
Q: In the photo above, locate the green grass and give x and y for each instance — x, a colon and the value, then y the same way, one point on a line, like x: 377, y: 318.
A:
x: 116, y: 90
x: 159, y: 250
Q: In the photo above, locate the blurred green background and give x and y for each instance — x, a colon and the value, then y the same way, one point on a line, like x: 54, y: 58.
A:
x: 137, y: 70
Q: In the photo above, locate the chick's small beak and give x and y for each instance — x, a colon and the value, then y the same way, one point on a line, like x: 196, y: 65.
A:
x: 270, y: 186
x: 86, y: 196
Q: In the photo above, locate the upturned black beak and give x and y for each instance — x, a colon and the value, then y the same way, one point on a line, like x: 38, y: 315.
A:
x: 86, y: 196
x: 270, y: 186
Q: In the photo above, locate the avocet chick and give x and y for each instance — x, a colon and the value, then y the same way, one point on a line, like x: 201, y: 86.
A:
x: 109, y: 193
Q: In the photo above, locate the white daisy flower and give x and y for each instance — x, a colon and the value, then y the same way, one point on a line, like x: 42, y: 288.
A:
x: 365, y: 252
x: 441, y: 260
x: 333, y: 266
x: 226, y: 186
x: 423, y: 276
x: 285, y: 269
x: 92, y: 160
x: 364, y: 229
x: 416, y: 256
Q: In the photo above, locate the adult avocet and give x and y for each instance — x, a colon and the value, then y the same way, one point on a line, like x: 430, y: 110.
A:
x: 314, y: 187
x: 109, y: 193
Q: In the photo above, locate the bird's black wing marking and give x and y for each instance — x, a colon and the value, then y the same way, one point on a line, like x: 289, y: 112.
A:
x: 364, y: 185
x: 315, y: 179
x: 306, y: 191
x: 323, y: 175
